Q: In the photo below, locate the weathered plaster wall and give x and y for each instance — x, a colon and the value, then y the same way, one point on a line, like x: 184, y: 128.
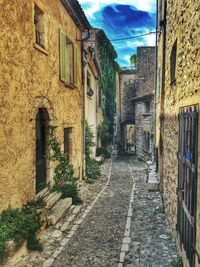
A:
x: 91, y: 106
x: 29, y: 80
x: 183, y: 24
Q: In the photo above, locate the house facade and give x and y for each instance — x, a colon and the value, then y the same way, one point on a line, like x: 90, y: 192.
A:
x: 177, y: 121
x: 92, y: 93
x: 41, y: 85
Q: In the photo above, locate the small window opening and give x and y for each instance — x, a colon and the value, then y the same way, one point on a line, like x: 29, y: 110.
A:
x: 147, y: 106
x: 39, y: 27
x: 173, y: 62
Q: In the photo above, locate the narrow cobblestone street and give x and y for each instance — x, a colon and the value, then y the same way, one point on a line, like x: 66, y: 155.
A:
x: 119, y: 224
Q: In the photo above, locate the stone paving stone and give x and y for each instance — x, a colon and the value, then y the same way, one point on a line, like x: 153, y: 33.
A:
x: 125, y: 248
x: 56, y: 234
x: 48, y: 262
x: 64, y: 242
x: 64, y: 226
x: 126, y: 240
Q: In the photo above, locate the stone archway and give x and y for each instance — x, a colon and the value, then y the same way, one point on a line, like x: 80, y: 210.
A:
x: 42, y: 115
x: 128, y: 136
x: 42, y: 122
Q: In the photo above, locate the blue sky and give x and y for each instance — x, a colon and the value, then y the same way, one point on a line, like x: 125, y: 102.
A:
x: 123, y: 18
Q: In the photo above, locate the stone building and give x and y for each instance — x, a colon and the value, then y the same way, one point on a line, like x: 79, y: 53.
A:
x: 177, y: 121
x: 137, y: 105
x: 143, y: 102
x: 127, y: 113
x: 40, y: 85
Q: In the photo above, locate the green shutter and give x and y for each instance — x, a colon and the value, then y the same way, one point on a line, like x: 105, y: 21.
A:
x: 75, y: 65
x: 62, y: 56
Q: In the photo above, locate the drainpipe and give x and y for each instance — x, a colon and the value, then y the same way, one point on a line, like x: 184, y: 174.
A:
x: 155, y: 88
x: 83, y: 101
x: 162, y: 108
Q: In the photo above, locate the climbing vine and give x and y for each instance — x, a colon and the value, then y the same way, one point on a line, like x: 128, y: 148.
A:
x: 64, y: 179
x: 107, y: 79
x: 93, y: 170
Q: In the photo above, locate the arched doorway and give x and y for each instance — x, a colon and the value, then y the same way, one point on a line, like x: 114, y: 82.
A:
x: 128, y: 137
x: 42, y: 122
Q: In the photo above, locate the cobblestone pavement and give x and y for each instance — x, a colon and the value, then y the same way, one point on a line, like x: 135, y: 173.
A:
x: 120, y: 224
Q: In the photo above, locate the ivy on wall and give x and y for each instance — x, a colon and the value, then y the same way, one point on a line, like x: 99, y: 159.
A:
x: 107, y: 79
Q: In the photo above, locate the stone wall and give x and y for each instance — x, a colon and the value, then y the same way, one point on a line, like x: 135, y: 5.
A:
x: 128, y: 91
x: 145, y: 67
x: 183, y: 25
x: 144, y: 103
x: 30, y: 80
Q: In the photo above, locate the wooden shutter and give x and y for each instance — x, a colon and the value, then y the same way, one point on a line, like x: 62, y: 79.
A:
x: 62, y: 56
x: 75, y: 65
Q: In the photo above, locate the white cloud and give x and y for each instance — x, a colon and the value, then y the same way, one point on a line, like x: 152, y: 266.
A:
x: 127, y: 59
x: 95, y: 5
x: 150, y: 39
x: 134, y: 43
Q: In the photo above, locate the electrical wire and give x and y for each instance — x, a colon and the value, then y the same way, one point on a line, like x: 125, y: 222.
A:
x: 132, y: 37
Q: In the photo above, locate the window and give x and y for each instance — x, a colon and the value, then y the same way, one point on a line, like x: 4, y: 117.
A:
x: 173, y: 62
x: 68, y: 141
x: 68, y: 61
x: 147, y: 106
x: 39, y: 27
x: 146, y: 141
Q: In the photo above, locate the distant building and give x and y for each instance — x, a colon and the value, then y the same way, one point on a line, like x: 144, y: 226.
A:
x: 143, y: 102
x: 127, y: 113
x: 177, y: 121
x: 137, y: 105
x: 40, y: 85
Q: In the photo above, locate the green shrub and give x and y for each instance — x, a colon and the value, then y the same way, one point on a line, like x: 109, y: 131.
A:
x: 71, y: 190
x: 103, y: 134
x: 177, y: 262
x: 19, y: 225
x: 64, y: 180
x: 34, y: 244
x: 102, y: 151
x: 93, y: 170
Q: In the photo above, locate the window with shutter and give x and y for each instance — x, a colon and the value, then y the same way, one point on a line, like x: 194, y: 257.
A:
x: 68, y: 61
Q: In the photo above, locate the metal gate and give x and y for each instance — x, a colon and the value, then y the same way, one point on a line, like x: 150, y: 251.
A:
x: 42, y: 120
x: 187, y: 180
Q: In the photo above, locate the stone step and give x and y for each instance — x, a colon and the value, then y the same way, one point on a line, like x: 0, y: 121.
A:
x: 153, y: 181
x: 51, y: 199
x: 58, y: 210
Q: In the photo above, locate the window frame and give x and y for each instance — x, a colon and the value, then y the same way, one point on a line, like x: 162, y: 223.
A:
x: 39, y: 27
x: 68, y: 61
